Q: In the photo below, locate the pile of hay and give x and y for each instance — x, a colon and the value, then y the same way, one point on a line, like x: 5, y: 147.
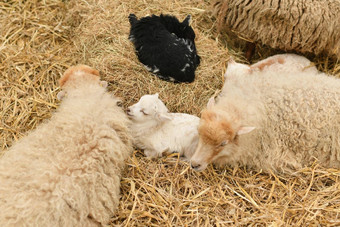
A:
x: 40, y: 39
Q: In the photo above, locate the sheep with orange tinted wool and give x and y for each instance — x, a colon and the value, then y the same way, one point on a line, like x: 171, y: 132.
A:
x: 272, y: 118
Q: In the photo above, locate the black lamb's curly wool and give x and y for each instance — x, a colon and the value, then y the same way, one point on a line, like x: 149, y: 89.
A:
x: 165, y: 46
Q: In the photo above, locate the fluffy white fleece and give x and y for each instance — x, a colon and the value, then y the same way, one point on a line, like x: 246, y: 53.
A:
x: 156, y: 131
x: 67, y: 171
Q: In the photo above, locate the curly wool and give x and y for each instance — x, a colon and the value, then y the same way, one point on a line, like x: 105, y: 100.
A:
x: 67, y: 171
x: 304, y: 26
x: 296, y: 115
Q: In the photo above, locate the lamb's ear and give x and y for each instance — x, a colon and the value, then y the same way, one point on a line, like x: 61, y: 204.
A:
x: 245, y: 130
x: 211, y: 102
x: 156, y: 94
x: 163, y: 117
x: 187, y: 20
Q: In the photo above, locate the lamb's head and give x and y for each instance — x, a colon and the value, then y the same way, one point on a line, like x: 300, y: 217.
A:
x: 181, y: 29
x: 235, y: 68
x: 218, y: 136
x: 186, y: 29
x: 148, y: 108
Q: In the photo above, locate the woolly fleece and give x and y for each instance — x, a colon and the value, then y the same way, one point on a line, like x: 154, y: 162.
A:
x: 291, y: 25
x: 67, y: 171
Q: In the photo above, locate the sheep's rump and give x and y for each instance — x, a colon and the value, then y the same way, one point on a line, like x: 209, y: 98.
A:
x: 300, y: 25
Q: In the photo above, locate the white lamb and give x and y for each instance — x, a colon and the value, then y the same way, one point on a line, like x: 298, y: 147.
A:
x: 67, y: 171
x: 272, y: 119
x: 156, y: 131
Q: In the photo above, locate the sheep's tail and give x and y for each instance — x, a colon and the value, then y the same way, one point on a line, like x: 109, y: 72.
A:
x: 132, y: 19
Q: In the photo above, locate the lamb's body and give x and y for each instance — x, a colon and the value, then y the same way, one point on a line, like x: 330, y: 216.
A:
x: 159, y: 131
x: 165, y: 46
x: 305, y: 26
x: 296, y: 118
x: 178, y: 134
x: 67, y: 171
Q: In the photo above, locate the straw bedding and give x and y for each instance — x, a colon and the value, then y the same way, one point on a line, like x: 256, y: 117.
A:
x: 40, y: 39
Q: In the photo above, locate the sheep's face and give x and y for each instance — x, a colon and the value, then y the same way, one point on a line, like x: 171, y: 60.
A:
x: 217, y: 139
x: 79, y: 72
x: 148, y: 108
x: 235, y: 68
x: 214, y: 136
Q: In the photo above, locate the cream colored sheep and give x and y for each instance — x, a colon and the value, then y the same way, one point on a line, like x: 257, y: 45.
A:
x: 271, y: 119
x: 67, y: 171
x: 304, y: 26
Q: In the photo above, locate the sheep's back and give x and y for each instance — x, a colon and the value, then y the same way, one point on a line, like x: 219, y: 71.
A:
x: 67, y: 171
x: 304, y: 26
x: 303, y: 116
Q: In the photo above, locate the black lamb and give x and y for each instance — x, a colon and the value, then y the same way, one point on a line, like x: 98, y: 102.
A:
x: 165, y: 46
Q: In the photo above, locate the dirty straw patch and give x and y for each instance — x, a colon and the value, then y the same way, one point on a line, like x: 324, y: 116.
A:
x: 40, y: 39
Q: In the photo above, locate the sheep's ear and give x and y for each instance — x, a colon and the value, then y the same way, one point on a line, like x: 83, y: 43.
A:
x: 245, y: 130
x: 61, y: 95
x: 119, y: 103
x: 156, y: 94
x: 163, y: 117
x: 211, y: 102
x: 103, y: 84
x: 187, y: 20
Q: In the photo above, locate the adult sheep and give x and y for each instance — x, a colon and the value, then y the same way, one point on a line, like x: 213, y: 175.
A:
x: 67, y: 171
x: 304, y: 26
x: 271, y: 120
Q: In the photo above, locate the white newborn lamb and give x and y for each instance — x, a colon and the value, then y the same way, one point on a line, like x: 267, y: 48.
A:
x: 156, y: 131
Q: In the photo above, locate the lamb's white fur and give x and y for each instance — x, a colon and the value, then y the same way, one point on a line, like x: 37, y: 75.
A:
x: 67, y: 171
x: 157, y: 131
x: 272, y: 119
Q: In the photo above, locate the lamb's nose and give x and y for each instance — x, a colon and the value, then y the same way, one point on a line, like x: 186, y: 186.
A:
x: 195, y: 166
x: 128, y: 110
